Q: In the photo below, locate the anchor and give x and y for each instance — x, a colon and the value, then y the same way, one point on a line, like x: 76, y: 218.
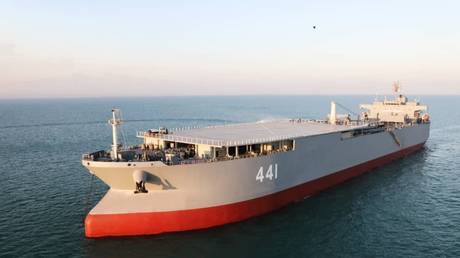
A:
x: 140, y: 178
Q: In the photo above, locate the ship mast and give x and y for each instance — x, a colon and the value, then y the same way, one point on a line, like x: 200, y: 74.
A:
x: 396, y: 87
x: 114, y: 122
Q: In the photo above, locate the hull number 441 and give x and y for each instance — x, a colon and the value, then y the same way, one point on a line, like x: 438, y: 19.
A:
x: 270, y: 174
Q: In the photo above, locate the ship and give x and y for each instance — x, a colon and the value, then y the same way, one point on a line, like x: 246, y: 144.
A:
x: 194, y: 178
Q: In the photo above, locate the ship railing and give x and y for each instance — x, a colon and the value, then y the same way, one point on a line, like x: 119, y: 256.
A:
x: 87, y: 156
x: 184, y: 139
x: 102, y: 156
x: 94, y: 155
x: 210, y: 160
x: 193, y: 161
x: 219, y: 143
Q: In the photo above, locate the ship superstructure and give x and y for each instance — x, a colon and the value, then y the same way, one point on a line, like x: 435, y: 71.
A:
x: 184, y: 179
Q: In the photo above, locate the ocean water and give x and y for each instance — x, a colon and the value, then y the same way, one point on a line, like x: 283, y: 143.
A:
x: 410, y: 208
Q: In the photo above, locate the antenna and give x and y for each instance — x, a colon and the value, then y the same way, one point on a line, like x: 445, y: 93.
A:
x: 396, y: 87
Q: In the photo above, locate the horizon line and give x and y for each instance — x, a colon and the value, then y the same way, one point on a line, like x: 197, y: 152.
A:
x: 212, y: 95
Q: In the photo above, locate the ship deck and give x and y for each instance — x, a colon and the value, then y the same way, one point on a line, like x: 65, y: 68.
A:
x: 254, y: 133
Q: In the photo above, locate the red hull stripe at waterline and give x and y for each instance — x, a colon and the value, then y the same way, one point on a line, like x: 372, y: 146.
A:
x: 148, y: 223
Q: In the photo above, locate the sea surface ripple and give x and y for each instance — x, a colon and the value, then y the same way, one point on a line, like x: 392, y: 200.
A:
x: 409, y: 208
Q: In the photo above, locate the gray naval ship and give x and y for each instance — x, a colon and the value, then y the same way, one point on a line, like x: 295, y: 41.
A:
x: 185, y: 179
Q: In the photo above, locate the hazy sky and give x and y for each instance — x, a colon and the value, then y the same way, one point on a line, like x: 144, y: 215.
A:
x: 150, y: 48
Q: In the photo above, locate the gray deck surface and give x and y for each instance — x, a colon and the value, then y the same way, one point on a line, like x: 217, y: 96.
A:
x: 251, y: 133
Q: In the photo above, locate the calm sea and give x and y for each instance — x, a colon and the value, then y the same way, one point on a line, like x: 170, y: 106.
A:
x: 410, y: 208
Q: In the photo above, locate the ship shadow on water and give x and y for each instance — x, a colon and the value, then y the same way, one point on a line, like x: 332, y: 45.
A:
x: 353, y: 206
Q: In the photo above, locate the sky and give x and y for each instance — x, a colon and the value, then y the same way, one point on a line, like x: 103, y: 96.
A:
x: 53, y: 49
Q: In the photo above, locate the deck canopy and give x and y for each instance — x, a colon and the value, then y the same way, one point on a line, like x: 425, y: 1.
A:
x: 251, y: 133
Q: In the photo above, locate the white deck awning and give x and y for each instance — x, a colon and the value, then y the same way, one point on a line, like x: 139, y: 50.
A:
x: 252, y: 133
